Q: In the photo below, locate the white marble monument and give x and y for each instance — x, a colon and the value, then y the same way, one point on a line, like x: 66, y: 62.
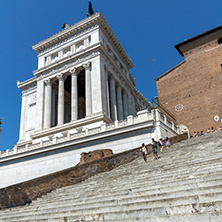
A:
x: 82, y: 97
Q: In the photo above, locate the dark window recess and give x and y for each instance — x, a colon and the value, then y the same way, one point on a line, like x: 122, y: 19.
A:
x: 219, y: 40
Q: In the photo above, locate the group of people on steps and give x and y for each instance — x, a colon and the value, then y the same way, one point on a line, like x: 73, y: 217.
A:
x: 155, y: 145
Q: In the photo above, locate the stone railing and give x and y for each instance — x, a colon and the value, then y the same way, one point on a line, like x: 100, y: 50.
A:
x: 163, y: 118
x: 142, y: 116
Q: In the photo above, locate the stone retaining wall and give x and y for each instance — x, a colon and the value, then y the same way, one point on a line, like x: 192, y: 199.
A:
x: 24, y: 193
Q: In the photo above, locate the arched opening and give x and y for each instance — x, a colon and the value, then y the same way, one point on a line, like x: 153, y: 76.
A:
x: 219, y: 40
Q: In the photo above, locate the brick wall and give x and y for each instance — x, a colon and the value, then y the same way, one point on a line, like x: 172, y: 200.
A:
x: 196, y: 84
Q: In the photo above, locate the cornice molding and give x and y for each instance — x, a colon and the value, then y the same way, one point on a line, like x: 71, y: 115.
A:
x: 112, y: 37
x: 23, y: 85
x: 68, y: 33
x: 73, y: 142
x: 62, y: 35
x: 76, y: 57
x: 67, y: 40
x: 66, y: 67
x: 59, y: 68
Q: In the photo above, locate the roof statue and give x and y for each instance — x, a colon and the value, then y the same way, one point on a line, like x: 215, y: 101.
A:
x: 65, y: 25
x: 90, y: 10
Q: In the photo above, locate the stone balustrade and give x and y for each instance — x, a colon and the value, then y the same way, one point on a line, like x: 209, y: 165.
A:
x: 142, y: 116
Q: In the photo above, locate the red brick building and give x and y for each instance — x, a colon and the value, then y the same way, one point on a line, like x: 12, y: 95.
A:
x: 192, y: 90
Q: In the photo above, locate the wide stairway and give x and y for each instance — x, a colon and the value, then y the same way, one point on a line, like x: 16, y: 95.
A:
x: 185, y: 184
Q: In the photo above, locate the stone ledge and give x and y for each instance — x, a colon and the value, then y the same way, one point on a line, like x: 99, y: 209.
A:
x: 86, y: 138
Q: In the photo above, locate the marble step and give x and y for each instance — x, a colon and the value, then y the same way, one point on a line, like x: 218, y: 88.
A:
x: 212, y: 217
x: 125, y: 213
x: 148, y: 172
x: 183, y: 185
x: 145, y: 182
x: 158, y: 187
x: 176, y: 190
x: 114, y: 206
x: 127, y: 196
x: 125, y: 199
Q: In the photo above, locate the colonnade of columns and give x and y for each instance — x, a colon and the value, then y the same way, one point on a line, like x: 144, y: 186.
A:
x: 61, y: 96
x: 119, y: 106
x: 116, y: 98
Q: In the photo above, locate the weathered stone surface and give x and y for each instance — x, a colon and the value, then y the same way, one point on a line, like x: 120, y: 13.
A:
x: 25, y: 193
x: 95, y: 155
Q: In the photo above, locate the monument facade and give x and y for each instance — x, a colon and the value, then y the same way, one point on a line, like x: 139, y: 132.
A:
x: 82, y: 98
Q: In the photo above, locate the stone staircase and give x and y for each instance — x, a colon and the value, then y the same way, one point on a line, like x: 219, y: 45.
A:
x: 185, y: 184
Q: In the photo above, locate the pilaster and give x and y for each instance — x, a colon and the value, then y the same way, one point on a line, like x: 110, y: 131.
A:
x: 22, y: 119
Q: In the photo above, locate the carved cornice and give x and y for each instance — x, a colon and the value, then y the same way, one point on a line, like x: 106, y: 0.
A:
x: 113, y: 39
x: 143, y: 98
x: 66, y: 67
x: 66, y: 34
x: 28, y: 83
x: 29, y: 89
x: 68, y: 40
x: 77, y: 28
x: 57, y: 69
x: 69, y: 61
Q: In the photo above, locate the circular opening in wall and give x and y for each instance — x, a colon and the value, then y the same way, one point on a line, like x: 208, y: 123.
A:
x: 189, y: 95
x: 219, y: 40
x: 178, y: 107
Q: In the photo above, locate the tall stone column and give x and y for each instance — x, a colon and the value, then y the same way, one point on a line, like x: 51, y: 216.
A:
x: 48, y: 104
x: 74, y: 94
x: 61, y: 99
x: 129, y: 106
x: 107, y: 91
x: 88, y: 95
x: 125, y: 104
x: 119, y: 102
x: 40, y: 103
x: 113, y: 107
x: 22, y: 120
x: 53, y: 115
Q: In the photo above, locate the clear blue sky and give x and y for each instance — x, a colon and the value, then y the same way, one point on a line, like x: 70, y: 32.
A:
x: 147, y: 29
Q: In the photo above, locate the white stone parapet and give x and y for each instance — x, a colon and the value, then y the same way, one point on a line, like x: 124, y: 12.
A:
x: 143, y: 116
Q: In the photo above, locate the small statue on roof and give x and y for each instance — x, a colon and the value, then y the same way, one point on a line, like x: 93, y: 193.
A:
x: 90, y: 10
x: 65, y: 25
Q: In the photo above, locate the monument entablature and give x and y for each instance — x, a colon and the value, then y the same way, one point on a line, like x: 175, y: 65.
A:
x: 79, y: 31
